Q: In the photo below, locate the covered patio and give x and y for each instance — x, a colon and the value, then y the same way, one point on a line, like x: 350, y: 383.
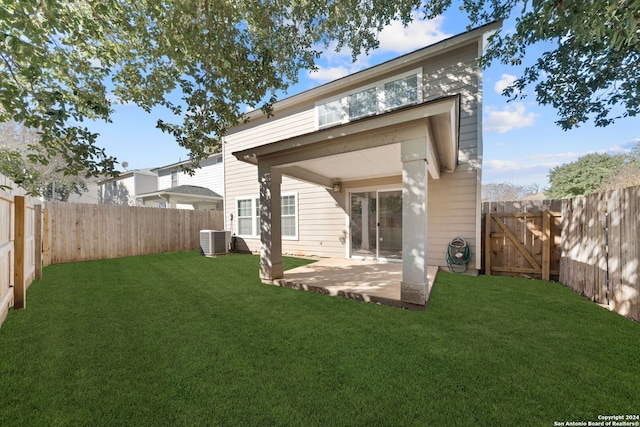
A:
x: 406, y: 146
x: 362, y: 280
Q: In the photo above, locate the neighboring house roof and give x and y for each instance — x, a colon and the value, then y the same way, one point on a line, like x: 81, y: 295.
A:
x: 127, y: 174
x: 180, y: 163
x: 183, y: 194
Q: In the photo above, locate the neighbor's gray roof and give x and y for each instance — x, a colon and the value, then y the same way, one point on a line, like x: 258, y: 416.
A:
x: 185, y: 190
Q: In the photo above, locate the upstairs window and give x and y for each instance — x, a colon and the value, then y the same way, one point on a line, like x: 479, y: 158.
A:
x: 398, y: 91
x: 330, y: 113
x: 401, y: 92
x: 362, y: 104
x: 174, y: 178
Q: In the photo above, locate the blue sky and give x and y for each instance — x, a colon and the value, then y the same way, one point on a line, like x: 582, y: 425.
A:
x: 521, y: 140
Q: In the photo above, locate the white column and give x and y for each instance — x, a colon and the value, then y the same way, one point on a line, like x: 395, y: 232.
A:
x: 270, y: 223
x: 414, y: 286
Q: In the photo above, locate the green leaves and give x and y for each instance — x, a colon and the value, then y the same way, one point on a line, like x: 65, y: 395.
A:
x: 585, y: 176
x: 591, y: 71
x: 63, y: 62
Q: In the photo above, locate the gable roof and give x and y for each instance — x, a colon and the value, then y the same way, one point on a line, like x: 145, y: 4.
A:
x: 403, y: 61
x: 185, y: 190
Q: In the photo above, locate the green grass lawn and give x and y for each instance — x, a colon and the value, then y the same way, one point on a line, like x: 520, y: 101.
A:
x: 179, y: 339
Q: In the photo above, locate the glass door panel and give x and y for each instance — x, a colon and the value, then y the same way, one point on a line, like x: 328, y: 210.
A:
x: 376, y: 224
x: 390, y: 224
x: 363, y: 224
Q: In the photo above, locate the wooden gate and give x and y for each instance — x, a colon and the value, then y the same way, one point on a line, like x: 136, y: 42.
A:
x: 522, y: 238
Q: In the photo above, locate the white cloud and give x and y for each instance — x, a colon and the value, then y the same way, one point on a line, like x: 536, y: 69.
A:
x: 506, y: 80
x: 513, y: 116
x: 325, y: 74
x: 503, y: 165
x: 419, y: 33
x: 394, y: 39
x: 517, y: 165
x: 116, y: 100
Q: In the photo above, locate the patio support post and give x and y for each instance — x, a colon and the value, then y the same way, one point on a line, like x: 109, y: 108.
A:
x: 270, y: 223
x: 414, y: 286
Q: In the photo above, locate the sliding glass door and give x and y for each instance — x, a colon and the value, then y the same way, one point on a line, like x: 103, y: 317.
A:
x: 376, y: 224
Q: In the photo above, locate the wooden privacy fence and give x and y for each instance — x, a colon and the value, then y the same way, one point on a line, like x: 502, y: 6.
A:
x: 601, y: 249
x: 20, y: 245
x: 80, y: 232
x: 589, y: 244
x: 522, y: 238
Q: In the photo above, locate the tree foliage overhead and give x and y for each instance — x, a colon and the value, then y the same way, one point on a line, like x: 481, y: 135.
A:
x: 591, y: 69
x: 64, y: 62
x: 59, y: 57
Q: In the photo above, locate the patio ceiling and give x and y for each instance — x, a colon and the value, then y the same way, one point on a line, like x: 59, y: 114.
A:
x: 366, y: 148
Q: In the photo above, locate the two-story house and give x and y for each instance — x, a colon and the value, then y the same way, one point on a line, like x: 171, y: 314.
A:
x: 179, y: 190
x: 383, y: 164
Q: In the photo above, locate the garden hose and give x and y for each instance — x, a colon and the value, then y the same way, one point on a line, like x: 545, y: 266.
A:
x: 458, y: 255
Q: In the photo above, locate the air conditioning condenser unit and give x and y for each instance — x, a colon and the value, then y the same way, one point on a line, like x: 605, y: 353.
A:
x: 214, y: 242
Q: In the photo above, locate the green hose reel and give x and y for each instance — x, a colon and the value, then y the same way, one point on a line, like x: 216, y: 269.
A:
x: 458, y: 255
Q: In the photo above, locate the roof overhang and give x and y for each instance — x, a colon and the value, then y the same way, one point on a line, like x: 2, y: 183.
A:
x: 367, y: 148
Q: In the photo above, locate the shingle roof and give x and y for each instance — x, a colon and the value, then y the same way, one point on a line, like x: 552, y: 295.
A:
x: 191, y: 190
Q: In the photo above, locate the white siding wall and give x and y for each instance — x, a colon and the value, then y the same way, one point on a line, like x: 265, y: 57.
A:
x: 91, y: 196
x: 144, y: 184
x: 453, y: 200
x: 210, y: 175
x: 322, y: 220
x: 120, y: 191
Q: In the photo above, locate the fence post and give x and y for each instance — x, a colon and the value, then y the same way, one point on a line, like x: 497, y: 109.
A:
x: 546, y: 244
x: 487, y: 244
x: 19, y: 289
x: 46, y: 238
x: 37, y: 242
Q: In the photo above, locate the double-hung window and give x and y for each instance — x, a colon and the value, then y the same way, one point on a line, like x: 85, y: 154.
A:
x: 289, y: 216
x: 248, y: 215
x: 395, y: 92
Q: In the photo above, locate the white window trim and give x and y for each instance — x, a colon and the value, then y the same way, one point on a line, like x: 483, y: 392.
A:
x: 344, y: 98
x: 256, y: 199
x: 171, y: 176
x: 296, y: 214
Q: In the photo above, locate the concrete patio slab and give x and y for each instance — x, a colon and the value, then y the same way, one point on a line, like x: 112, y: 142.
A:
x: 371, y: 281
